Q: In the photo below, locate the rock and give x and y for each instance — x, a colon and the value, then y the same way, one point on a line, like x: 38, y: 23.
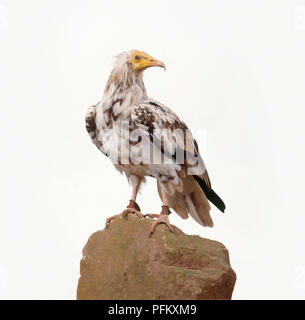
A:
x: 122, y: 262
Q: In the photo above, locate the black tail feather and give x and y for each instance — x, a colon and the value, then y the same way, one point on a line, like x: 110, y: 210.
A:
x: 211, y: 195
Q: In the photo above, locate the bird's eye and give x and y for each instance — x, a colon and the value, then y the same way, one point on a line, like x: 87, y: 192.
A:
x: 137, y: 57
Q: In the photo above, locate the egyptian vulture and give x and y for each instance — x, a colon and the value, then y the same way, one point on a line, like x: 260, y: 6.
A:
x: 142, y: 137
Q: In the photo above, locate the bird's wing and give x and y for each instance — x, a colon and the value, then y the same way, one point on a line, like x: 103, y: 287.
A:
x: 92, y: 129
x: 171, y: 135
x: 176, y: 140
x: 90, y: 122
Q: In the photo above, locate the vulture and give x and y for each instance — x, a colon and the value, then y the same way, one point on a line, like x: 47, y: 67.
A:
x: 142, y: 137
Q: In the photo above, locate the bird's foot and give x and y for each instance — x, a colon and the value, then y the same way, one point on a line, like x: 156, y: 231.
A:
x: 161, y: 218
x: 131, y: 208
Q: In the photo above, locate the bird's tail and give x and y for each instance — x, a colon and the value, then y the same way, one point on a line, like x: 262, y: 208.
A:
x: 191, y: 201
x: 211, y: 194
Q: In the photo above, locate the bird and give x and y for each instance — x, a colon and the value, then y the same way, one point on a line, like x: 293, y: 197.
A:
x: 144, y: 138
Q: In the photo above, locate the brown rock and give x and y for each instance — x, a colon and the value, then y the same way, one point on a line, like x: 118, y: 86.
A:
x: 122, y: 262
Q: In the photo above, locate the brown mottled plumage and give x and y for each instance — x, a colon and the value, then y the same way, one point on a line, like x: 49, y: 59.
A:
x: 142, y: 125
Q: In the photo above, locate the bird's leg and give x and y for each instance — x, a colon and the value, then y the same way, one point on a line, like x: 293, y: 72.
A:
x: 132, y: 207
x: 135, y: 189
x: 162, y: 217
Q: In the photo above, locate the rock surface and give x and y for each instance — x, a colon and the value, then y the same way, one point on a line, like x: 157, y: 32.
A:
x: 122, y: 262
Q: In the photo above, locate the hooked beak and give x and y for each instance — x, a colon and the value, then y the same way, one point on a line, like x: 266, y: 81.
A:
x: 147, y: 61
x: 157, y: 63
x: 139, y: 61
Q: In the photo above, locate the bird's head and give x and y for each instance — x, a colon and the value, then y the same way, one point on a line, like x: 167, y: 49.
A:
x: 128, y: 68
x: 139, y: 61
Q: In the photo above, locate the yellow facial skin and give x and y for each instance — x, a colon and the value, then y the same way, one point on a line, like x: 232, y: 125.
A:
x: 140, y: 61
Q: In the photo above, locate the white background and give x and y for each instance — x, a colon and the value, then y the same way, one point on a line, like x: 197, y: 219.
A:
x: 235, y: 70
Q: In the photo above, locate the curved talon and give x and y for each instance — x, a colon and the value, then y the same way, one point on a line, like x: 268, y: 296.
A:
x: 124, y: 214
x: 134, y: 211
x: 108, y: 220
x: 132, y: 208
x: 162, y: 219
